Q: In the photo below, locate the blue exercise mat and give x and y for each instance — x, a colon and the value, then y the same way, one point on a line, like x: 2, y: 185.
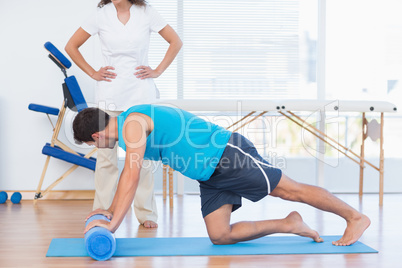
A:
x: 202, y: 246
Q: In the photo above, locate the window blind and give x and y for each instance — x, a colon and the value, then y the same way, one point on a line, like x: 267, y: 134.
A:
x: 233, y: 49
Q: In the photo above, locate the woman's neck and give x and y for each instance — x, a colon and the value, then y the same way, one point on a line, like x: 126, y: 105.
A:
x: 122, y: 6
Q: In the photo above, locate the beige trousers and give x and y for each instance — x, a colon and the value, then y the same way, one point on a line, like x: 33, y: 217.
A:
x: 107, y: 178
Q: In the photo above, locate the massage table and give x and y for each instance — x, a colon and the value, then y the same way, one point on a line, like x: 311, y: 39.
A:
x: 250, y: 110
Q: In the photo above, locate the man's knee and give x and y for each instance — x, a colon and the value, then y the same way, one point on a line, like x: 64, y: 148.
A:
x: 221, y: 238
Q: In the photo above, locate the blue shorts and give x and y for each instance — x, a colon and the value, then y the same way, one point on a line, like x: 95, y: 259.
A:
x: 241, y: 172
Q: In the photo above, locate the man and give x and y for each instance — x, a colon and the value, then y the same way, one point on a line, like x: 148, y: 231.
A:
x: 227, y: 166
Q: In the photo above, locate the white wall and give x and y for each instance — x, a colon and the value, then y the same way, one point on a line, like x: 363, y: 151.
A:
x: 28, y: 76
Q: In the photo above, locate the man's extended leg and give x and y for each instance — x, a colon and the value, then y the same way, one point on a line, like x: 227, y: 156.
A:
x: 221, y: 232
x: 320, y: 198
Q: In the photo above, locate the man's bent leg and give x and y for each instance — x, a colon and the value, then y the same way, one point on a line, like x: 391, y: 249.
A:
x: 144, y: 201
x: 320, y: 198
x: 221, y: 232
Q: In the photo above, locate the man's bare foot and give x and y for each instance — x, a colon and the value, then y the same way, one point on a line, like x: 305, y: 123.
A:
x: 150, y: 224
x: 299, y: 227
x: 354, y: 230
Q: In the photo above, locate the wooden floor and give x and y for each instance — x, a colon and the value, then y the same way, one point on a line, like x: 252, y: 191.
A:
x: 27, y: 230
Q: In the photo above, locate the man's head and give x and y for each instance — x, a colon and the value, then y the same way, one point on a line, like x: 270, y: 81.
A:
x: 91, y: 126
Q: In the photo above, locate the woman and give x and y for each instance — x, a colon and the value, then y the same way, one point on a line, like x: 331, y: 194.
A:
x: 124, y: 28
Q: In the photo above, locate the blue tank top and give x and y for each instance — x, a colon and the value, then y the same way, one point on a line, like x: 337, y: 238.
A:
x: 181, y: 140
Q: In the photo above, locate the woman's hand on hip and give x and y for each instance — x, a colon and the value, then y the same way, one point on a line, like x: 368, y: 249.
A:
x: 104, y: 74
x: 146, y: 72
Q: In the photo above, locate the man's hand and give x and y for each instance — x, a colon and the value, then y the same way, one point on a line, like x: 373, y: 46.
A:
x: 99, y: 211
x: 100, y: 223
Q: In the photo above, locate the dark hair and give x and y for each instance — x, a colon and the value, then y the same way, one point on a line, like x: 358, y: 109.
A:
x: 88, y: 122
x: 102, y: 3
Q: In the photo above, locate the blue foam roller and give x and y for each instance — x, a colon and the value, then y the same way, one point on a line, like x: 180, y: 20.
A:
x: 3, y: 197
x: 16, y: 197
x: 100, y: 243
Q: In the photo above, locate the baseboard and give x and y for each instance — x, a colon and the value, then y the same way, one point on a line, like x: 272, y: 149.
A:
x: 64, y: 195
x: 90, y: 194
x: 59, y: 195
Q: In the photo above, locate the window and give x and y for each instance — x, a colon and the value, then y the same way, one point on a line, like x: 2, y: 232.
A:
x: 364, y: 62
x: 239, y: 49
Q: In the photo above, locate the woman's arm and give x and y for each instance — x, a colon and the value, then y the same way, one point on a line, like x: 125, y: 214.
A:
x: 175, y: 45
x: 72, y: 49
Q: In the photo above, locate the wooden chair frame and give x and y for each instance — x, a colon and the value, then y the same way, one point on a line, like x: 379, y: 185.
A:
x: 67, y: 102
x: 56, y: 141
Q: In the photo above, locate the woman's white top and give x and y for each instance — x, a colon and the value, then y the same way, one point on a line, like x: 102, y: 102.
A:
x: 125, y: 47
